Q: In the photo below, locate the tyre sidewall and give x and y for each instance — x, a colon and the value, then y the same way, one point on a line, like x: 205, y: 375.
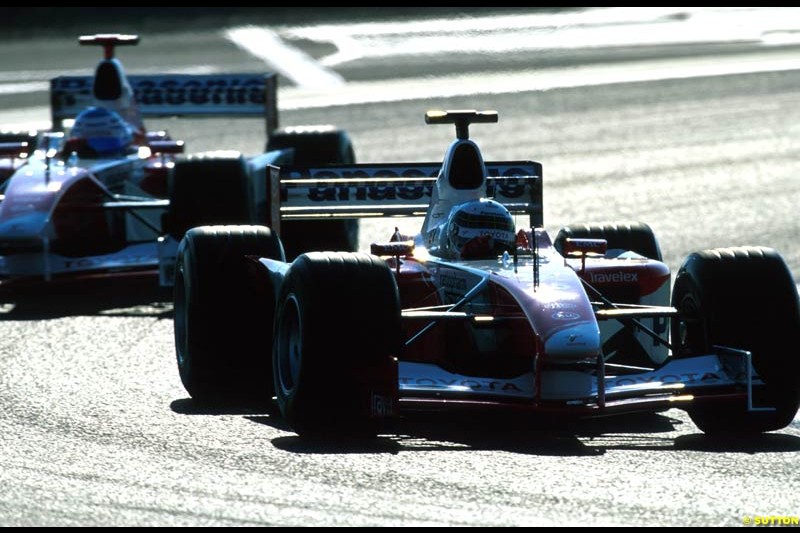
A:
x: 349, y: 335
x: 742, y: 298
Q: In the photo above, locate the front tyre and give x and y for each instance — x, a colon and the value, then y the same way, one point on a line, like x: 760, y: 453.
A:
x: 337, y: 335
x: 743, y: 298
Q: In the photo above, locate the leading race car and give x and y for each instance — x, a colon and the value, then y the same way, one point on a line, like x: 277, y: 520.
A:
x: 107, y: 197
x: 475, y: 313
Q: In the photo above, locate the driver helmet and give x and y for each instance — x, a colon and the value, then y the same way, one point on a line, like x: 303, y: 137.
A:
x: 480, y: 229
x: 103, y: 130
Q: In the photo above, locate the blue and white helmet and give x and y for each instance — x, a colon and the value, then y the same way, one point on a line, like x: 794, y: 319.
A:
x: 103, y: 130
x: 479, y: 229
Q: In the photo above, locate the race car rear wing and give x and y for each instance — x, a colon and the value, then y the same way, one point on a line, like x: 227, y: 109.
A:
x: 387, y: 190
x: 177, y: 95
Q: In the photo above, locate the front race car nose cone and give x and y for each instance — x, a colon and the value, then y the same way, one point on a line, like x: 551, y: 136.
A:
x: 575, y: 342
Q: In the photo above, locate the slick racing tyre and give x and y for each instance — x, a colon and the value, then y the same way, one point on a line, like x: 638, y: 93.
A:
x: 743, y: 298
x: 337, y: 333
x: 634, y: 236
x: 208, y: 190
x: 224, y: 309
x: 316, y: 146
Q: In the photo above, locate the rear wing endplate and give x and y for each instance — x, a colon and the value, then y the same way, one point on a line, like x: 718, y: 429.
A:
x: 389, y: 190
x: 177, y: 95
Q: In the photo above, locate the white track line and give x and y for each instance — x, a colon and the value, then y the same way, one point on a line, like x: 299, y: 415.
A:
x: 32, y: 81
x: 593, y: 28
x: 24, y: 88
x: 26, y: 118
x: 396, y: 90
x: 296, y: 65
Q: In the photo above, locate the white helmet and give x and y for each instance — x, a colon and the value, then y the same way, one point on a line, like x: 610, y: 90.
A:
x: 479, y: 229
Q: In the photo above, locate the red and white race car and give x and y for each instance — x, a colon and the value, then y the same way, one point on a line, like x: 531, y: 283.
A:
x: 106, y: 197
x: 475, y: 313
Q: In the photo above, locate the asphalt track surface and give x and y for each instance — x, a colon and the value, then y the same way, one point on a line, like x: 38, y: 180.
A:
x: 96, y: 428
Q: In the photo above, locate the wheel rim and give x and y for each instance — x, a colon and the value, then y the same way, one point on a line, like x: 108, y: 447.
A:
x: 290, y: 345
x: 181, y: 321
x: 690, y: 328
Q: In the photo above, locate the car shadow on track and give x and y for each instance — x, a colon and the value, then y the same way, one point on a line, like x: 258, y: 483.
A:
x: 636, y: 432
x: 463, y: 433
x: 752, y: 444
x: 523, y: 435
x: 96, y: 298
x: 263, y: 413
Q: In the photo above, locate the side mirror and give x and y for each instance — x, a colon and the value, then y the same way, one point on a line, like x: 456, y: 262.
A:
x: 581, y: 248
x: 392, y: 249
x: 166, y: 147
x: 584, y: 247
x: 396, y: 249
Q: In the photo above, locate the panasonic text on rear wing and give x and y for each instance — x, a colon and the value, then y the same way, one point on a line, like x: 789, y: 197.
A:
x: 392, y: 189
x: 177, y: 95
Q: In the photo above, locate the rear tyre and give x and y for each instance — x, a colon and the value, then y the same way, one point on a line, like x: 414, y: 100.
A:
x: 206, y: 191
x: 635, y: 236
x: 743, y: 298
x: 337, y: 334
x: 224, y: 309
x: 316, y: 146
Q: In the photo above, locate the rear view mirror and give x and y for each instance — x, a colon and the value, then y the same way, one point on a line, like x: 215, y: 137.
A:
x: 166, y: 147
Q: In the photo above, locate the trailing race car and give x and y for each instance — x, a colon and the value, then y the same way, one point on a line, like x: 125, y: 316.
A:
x: 474, y: 313
x: 108, y: 197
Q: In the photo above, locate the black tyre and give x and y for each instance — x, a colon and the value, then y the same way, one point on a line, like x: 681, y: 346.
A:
x: 224, y: 310
x: 208, y: 190
x: 634, y: 236
x: 314, y: 145
x: 743, y: 298
x: 337, y: 332
x: 317, y: 146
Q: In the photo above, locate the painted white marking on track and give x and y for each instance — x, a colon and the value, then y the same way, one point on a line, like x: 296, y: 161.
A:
x: 507, y: 82
x: 26, y: 118
x: 592, y: 28
x: 27, y: 87
x: 34, y: 81
x: 295, y: 64
x: 45, y: 75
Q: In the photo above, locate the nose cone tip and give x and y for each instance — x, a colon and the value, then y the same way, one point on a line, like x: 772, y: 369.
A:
x: 574, y: 342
